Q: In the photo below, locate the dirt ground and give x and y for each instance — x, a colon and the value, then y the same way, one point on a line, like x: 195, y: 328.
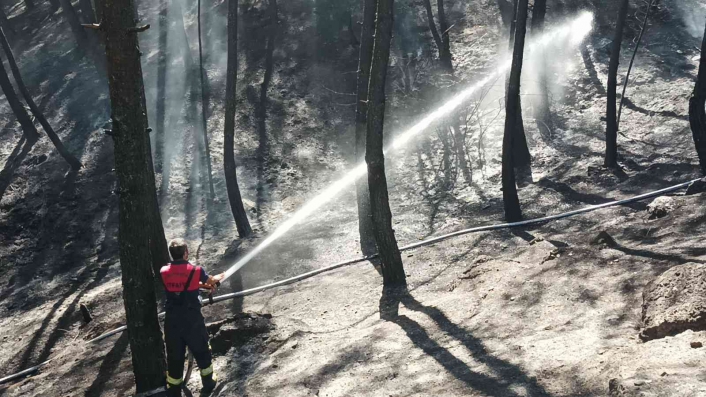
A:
x: 543, y: 311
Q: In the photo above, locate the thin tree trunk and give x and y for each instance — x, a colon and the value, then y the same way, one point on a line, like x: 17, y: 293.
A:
x: 72, y: 17
x: 98, y: 8
x: 73, y: 161
x: 522, y: 159
x: 236, y: 201
x: 28, y: 128
x: 611, y: 138
x: 697, y: 113
x: 392, y: 268
x: 137, y: 193
x: 204, y: 108
x: 5, y: 23
x: 632, y: 60
x: 542, y: 113
x: 161, y: 107
x: 432, y: 26
x: 513, y: 212
x: 365, y: 217
x: 445, y: 49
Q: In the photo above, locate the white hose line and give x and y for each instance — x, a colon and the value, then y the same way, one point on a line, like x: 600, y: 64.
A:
x: 430, y: 241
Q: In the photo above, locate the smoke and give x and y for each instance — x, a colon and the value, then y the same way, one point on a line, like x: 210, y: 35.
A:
x: 693, y: 13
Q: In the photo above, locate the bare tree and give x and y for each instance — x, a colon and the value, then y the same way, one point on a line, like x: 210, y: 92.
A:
x: 236, y: 201
x: 521, y: 155
x: 542, y: 113
x: 204, y: 108
x: 365, y: 217
x: 441, y: 35
x: 392, y: 268
x: 28, y: 128
x: 71, y: 159
x: 611, y: 133
x: 697, y: 112
x: 513, y: 212
x: 161, y: 108
x: 135, y: 174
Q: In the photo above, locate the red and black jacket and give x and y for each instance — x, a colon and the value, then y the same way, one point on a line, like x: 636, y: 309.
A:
x: 181, y: 286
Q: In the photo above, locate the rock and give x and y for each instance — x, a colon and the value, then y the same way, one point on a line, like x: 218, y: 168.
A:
x: 696, y: 187
x: 603, y: 238
x: 616, y: 388
x: 696, y: 345
x: 660, y: 207
x: 675, y: 302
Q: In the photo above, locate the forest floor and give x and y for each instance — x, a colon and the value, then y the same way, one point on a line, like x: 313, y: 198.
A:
x: 544, y: 311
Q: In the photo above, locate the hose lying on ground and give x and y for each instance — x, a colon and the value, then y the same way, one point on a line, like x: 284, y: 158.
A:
x: 430, y: 241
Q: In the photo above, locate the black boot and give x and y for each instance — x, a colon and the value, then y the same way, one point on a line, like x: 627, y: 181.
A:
x: 209, y: 383
x: 174, y: 391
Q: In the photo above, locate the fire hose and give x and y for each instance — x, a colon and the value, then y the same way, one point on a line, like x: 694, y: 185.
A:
x: 434, y: 240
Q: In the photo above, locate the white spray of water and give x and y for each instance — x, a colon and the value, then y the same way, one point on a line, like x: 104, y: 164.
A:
x: 575, y: 30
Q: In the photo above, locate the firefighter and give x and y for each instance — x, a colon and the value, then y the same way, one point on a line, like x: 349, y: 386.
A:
x: 184, y: 324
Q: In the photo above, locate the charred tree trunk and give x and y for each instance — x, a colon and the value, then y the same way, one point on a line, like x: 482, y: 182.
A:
x: 98, y: 8
x: 365, y: 217
x: 392, y: 268
x: 161, y: 108
x: 506, y: 11
x: 522, y: 158
x: 542, y: 113
x: 611, y: 133
x: 632, y: 59
x: 55, y: 5
x: 28, y: 128
x: 236, y: 201
x: 5, y: 23
x: 30, y: 4
x: 73, y: 161
x: 432, y: 25
x: 204, y: 109
x: 513, y: 212
x: 72, y: 17
x: 697, y: 112
x: 137, y: 193
x: 445, y: 50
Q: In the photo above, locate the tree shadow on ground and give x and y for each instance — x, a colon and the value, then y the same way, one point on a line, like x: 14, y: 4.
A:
x: 509, y: 375
x: 13, y: 162
x: 110, y: 364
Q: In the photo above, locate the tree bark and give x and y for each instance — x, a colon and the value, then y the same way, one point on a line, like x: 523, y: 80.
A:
x: 513, y: 212
x: 542, y: 113
x: 392, y: 268
x: 697, y: 113
x: 137, y: 193
x: 522, y: 158
x: 365, y: 217
x: 445, y: 49
x: 236, y: 201
x: 204, y: 109
x: 432, y: 25
x: 28, y: 128
x: 611, y: 133
x: 73, y: 161
x: 161, y: 107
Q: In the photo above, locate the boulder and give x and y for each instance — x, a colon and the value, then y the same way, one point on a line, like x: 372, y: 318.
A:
x: 660, y: 207
x: 675, y: 302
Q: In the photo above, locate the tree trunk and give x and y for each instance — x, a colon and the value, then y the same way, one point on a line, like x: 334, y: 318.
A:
x: 697, y: 114
x: 5, y: 23
x: 73, y: 161
x: 137, y: 193
x: 432, y: 26
x: 513, y: 212
x: 55, y: 5
x: 28, y: 128
x: 204, y: 108
x: 161, y: 107
x: 98, y: 8
x: 365, y: 217
x: 542, y: 113
x: 29, y: 4
x: 522, y: 158
x: 611, y: 133
x: 392, y: 269
x: 79, y: 32
x: 506, y: 11
x: 236, y: 201
x: 445, y: 49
